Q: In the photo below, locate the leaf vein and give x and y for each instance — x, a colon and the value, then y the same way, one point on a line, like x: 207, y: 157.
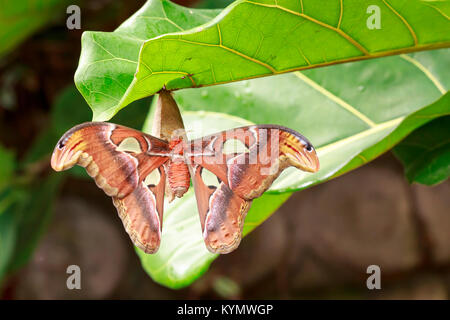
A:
x: 336, y: 99
x: 438, y: 10
x: 320, y: 23
x: 405, y: 22
x: 427, y: 72
x: 110, y: 59
x: 102, y: 47
x: 359, y: 135
x: 228, y: 49
x: 162, y: 19
x: 341, y: 14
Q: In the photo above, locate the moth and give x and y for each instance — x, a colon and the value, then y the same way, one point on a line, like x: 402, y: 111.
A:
x: 228, y: 170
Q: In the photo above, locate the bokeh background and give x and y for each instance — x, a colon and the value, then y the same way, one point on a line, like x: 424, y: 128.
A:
x: 318, y: 244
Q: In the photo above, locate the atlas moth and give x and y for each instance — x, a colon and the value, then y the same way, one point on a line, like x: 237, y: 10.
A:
x: 137, y: 169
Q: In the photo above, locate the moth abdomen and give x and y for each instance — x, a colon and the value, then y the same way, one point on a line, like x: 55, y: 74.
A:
x: 179, y: 177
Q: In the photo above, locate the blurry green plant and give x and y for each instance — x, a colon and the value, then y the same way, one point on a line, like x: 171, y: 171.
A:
x: 351, y: 112
x: 25, y: 208
x: 20, y: 19
x: 425, y: 153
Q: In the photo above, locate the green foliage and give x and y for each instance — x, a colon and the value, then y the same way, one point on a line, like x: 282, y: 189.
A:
x: 31, y: 217
x: 7, y: 234
x: 19, y: 19
x: 7, y: 200
x: 109, y: 60
x: 7, y: 166
x: 25, y: 208
x: 226, y: 287
x: 425, y: 153
x: 159, y: 46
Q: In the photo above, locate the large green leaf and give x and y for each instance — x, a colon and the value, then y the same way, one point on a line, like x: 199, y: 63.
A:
x: 345, y: 110
x: 109, y: 60
x: 158, y: 46
x: 425, y: 153
x: 352, y: 113
x: 19, y: 19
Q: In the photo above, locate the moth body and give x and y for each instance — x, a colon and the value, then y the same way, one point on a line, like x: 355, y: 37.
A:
x: 178, y: 177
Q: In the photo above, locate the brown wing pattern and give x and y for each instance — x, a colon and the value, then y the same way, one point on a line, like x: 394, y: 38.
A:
x: 118, y: 159
x: 222, y: 214
x: 270, y: 150
x: 243, y: 175
x: 141, y: 212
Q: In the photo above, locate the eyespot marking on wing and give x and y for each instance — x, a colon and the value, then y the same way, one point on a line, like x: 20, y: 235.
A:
x: 232, y: 146
x: 129, y: 144
x: 209, y: 178
x: 152, y: 178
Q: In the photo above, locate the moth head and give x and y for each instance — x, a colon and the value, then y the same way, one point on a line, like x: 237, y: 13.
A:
x: 67, y: 151
x: 300, y: 153
x: 177, y: 137
x: 178, y: 134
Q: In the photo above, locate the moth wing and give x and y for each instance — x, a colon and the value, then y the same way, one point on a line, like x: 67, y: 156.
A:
x: 141, y: 212
x: 222, y: 213
x: 128, y: 165
x: 249, y: 159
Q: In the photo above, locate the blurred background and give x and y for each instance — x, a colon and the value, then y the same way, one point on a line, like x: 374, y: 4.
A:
x: 320, y: 241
